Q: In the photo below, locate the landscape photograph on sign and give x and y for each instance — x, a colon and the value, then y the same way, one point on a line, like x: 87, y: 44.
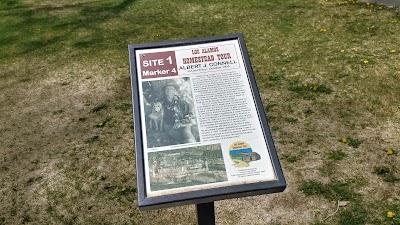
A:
x: 186, y: 167
x: 169, y: 112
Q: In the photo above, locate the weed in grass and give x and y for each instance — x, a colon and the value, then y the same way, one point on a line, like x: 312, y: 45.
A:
x: 295, y: 87
x: 25, y: 79
x: 33, y: 179
x: 92, y: 139
x: 323, y: 89
x: 392, y: 214
x: 65, y: 83
x: 127, y: 191
x: 290, y: 158
x: 14, y: 188
x: 274, y: 79
x: 345, y: 114
x: 4, y: 169
x: 318, y: 88
x: 304, y: 151
x: 308, y: 112
x: 33, y: 167
x: 275, y: 223
x: 104, y: 122
x: 309, y: 141
x: 389, y: 151
x: 308, y: 91
x: 124, y: 106
x: 108, y: 187
x: 291, y: 120
x: 353, y: 142
x: 13, y: 208
x: 362, y: 26
x: 26, y: 218
x: 275, y: 128
x: 385, y: 172
x: 290, y: 108
x: 312, y: 188
x: 87, y: 43
x: 270, y: 118
x: 132, y: 128
x: 381, y: 170
x: 355, y: 215
x: 318, y: 223
x: 99, y: 107
x: 336, y: 155
x: 336, y: 190
x: 268, y: 107
x: 103, y: 177
x: 286, y: 24
x: 327, y: 169
x: 58, y: 112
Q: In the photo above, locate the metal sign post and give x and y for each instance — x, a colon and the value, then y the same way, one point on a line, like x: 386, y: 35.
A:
x: 205, y: 213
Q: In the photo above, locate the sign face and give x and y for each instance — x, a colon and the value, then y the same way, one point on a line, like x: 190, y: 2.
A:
x: 200, y: 130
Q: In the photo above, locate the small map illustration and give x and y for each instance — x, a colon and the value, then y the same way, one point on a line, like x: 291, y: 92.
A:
x: 242, y: 154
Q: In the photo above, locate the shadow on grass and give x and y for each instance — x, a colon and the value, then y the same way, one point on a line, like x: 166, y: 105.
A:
x: 48, y: 28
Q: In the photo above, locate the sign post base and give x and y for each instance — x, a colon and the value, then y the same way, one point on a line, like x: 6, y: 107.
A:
x: 205, y: 213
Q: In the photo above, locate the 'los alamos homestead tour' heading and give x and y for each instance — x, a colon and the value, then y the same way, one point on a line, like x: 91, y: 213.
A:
x: 161, y: 64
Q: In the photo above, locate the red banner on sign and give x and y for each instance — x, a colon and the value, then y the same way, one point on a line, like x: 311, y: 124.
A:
x: 158, y: 64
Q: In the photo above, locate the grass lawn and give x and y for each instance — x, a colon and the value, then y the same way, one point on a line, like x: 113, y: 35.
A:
x: 328, y: 72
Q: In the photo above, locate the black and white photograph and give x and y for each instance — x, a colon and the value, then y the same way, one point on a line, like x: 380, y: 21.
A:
x: 186, y: 167
x: 169, y: 112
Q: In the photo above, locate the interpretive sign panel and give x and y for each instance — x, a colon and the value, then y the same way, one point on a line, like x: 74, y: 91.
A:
x: 200, y: 130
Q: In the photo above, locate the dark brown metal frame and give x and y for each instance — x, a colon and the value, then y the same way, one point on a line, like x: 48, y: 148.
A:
x: 200, y: 197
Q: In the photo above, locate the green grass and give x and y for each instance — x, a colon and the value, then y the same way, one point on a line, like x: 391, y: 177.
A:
x: 33, y: 179
x: 356, y: 213
x: 92, y: 139
x: 394, y: 208
x: 336, y: 155
x: 335, y: 190
x: 354, y: 142
x: 124, y: 106
x: 290, y: 158
x: 327, y: 169
x: 291, y: 120
x: 99, y: 107
x: 64, y: 73
x: 386, y: 173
